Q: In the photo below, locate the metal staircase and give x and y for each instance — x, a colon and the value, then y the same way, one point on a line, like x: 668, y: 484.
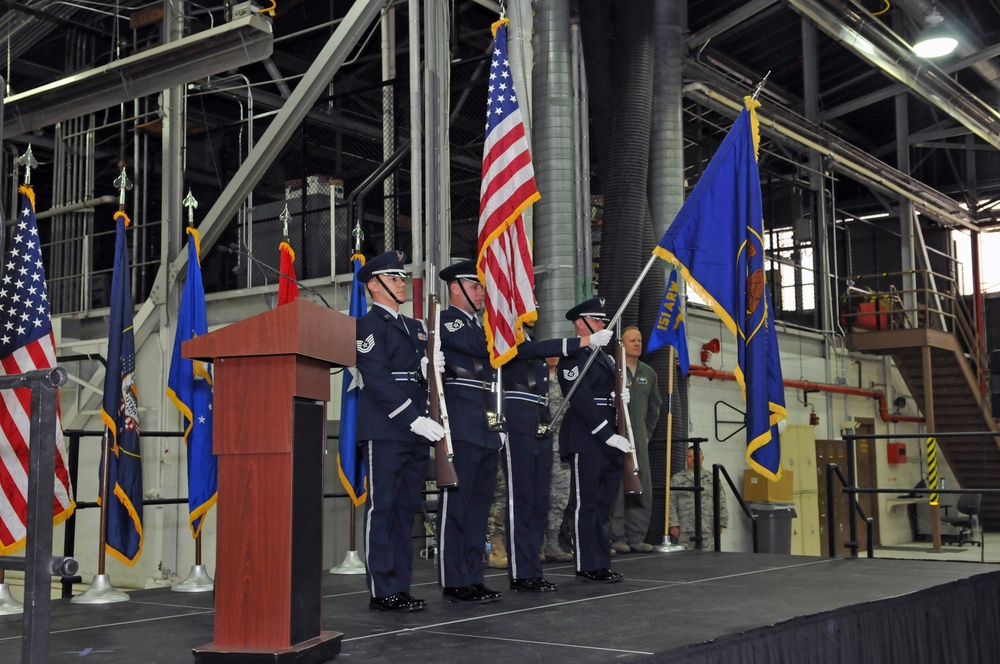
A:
x: 937, y: 351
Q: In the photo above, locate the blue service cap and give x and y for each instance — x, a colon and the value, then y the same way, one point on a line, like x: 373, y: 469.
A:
x: 462, y: 270
x: 391, y: 263
x: 592, y: 308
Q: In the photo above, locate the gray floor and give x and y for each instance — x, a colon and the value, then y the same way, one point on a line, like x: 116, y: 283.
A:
x: 666, y: 601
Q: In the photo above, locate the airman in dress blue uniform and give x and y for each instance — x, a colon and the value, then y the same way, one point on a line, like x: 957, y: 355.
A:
x: 527, y: 456
x: 587, y: 437
x: 393, y: 424
x: 471, y: 392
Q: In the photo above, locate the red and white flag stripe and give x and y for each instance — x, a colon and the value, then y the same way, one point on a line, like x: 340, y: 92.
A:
x: 15, y: 409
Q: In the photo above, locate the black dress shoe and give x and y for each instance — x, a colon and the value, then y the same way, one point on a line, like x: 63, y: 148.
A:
x: 396, y: 602
x: 545, y: 586
x: 417, y: 603
x: 527, y: 585
x: 463, y: 594
x: 486, y: 594
x: 602, y: 575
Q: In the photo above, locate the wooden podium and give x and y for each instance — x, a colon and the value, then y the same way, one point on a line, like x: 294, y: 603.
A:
x: 272, y: 382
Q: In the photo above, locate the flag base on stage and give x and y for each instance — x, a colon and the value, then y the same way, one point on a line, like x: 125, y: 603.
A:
x: 667, y: 547
x: 197, y: 581
x: 352, y: 565
x: 101, y: 592
x: 324, y: 647
x: 8, y: 605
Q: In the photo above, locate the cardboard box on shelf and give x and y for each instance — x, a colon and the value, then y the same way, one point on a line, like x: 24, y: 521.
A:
x: 757, y: 488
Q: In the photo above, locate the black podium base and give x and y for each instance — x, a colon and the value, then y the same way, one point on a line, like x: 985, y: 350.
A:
x: 323, y: 648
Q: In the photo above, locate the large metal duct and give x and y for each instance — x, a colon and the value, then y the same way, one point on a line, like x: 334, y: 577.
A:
x: 666, y: 188
x: 553, y: 157
x: 874, y: 42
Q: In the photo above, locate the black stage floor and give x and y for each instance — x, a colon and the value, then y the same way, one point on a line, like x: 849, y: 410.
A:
x: 667, y: 602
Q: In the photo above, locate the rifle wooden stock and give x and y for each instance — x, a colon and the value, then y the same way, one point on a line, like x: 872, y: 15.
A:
x: 443, y: 450
x: 630, y: 466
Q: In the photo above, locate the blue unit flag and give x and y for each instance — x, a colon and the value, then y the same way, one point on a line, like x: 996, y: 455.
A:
x: 669, y: 328
x: 350, y: 464
x: 717, y: 242
x: 189, y: 387
x: 120, y: 413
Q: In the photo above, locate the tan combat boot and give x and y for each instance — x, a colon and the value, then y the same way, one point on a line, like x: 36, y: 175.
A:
x: 498, y: 552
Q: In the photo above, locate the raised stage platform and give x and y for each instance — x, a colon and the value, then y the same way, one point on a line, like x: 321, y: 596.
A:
x: 683, y: 607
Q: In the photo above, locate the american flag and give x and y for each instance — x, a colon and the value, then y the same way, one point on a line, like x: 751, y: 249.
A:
x: 26, y: 343
x: 508, y: 189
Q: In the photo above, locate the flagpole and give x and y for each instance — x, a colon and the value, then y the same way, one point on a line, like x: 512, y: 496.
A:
x: 593, y: 356
x: 667, y: 547
x: 198, y: 580
x: 352, y: 563
x: 101, y: 591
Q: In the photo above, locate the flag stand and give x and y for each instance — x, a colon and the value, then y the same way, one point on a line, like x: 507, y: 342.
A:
x: 352, y: 563
x: 101, y: 591
x: 667, y: 547
x: 8, y: 605
x: 198, y: 580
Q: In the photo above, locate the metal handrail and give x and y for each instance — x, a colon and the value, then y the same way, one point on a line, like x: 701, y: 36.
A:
x: 38, y: 563
x: 718, y: 469
x: 950, y: 315
x: 831, y: 509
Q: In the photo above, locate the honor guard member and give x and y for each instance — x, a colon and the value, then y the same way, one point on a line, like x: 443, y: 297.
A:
x: 527, y: 456
x: 587, y: 437
x: 471, y: 393
x: 392, y: 420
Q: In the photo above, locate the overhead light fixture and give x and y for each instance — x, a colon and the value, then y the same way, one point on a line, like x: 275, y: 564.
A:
x: 228, y: 46
x: 935, y: 40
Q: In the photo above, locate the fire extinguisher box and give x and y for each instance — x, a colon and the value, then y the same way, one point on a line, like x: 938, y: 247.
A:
x: 896, y: 452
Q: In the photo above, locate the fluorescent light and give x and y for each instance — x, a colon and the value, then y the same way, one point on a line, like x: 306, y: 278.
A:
x: 219, y: 49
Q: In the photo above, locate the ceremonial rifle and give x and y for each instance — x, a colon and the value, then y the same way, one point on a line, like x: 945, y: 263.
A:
x: 630, y: 467
x: 444, y: 452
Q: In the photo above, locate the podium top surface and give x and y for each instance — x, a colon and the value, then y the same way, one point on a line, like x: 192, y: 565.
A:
x: 300, y: 327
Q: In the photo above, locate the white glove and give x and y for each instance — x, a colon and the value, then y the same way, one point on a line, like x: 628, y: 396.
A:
x: 600, y: 338
x: 439, y: 361
x: 626, y: 395
x: 620, y: 442
x: 423, y: 366
x: 428, y: 428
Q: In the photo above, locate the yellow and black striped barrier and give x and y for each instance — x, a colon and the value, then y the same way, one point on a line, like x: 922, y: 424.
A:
x: 932, y: 475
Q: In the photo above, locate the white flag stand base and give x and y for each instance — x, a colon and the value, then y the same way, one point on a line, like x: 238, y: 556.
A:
x: 352, y: 565
x: 667, y: 547
x: 8, y: 605
x: 101, y: 592
x: 197, y: 581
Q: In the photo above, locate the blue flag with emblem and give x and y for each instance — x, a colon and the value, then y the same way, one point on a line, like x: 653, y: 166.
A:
x: 669, y: 328
x: 189, y: 387
x: 350, y: 464
x: 120, y: 413
x: 717, y: 241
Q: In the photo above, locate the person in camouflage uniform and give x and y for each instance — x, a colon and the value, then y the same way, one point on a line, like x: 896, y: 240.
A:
x: 682, y: 506
x: 495, y: 524
x: 559, y: 487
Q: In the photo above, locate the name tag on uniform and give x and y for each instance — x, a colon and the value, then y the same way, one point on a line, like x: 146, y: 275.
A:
x: 641, y: 380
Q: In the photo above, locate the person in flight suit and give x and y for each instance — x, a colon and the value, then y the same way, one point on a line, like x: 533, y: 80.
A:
x: 470, y: 392
x: 527, y: 456
x: 588, y: 438
x: 392, y: 420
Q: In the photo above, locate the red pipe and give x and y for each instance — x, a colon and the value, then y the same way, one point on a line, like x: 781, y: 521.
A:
x: 883, y: 404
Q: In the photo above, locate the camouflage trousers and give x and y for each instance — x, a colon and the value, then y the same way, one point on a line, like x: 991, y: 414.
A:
x: 498, y: 510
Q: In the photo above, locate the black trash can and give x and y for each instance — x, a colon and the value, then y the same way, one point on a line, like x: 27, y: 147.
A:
x: 774, y: 526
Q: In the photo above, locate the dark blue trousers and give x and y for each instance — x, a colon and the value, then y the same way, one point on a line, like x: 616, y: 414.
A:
x: 528, y: 465
x: 595, y: 480
x: 396, y: 475
x: 463, y: 513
